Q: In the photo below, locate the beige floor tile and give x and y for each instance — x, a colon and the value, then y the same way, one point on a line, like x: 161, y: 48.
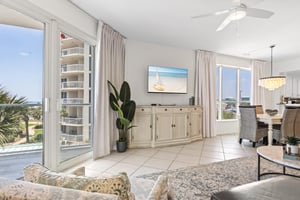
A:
x: 190, y: 159
x: 146, y: 152
x: 122, y: 167
x: 177, y: 165
x: 173, y: 149
x: 193, y: 152
x: 101, y: 165
x: 135, y: 159
x: 196, y: 146
x: 158, y: 163
x: 207, y: 160
x: 233, y: 156
x: 234, y: 151
x: 165, y: 155
x: 116, y: 156
x: 212, y: 154
x: 212, y: 148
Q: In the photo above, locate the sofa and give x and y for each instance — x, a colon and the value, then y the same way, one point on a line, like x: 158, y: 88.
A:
x: 43, y: 184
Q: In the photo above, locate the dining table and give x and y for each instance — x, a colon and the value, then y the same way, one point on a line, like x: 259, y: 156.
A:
x: 270, y: 120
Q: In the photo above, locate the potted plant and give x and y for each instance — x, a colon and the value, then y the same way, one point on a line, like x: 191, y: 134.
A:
x: 292, y: 145
x: 125, y: 108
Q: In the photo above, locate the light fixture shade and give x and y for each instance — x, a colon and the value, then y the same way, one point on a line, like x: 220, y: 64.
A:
x: 272, y: 82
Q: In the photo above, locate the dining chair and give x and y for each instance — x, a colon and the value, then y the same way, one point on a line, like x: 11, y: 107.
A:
x: 259, y: 109
x: 288, y: 125
x: 249, y: 128
x: 297, y: 124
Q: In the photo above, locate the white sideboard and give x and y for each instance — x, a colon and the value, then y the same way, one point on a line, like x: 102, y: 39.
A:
x: 165, y: 125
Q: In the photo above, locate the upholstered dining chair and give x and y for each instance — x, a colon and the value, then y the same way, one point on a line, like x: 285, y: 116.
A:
x: 288, y: 125
x: 249, y: 128
x: 259, y: 109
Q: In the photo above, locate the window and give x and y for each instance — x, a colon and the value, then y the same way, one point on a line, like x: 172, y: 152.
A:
x: 233, y: 87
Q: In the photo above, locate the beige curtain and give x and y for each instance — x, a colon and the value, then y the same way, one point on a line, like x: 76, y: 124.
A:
x: 205, y: 90
x: 110, y: 65
x: 260, y: 96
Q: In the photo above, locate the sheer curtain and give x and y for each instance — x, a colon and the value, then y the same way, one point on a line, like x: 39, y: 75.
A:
x: 260, y: 96
x: 205, y: 90
x: 110, y: 65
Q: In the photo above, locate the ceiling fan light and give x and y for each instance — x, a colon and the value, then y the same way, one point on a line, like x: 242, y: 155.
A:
x: 237, y: 15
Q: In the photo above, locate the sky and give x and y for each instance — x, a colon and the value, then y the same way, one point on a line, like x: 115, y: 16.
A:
x: 21, y: 61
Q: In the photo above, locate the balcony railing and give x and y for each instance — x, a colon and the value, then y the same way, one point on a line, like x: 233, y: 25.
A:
x: 67, y: 138
x: 72, y: 120
x: 72, y: 84
x: 72, y: 68
x: 72, y: 101
x: 72, y: 51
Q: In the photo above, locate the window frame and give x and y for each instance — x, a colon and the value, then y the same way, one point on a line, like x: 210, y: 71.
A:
x: 220, y: 80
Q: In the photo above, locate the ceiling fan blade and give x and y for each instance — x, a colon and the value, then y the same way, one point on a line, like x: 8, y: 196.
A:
x: 220, y: 12
x: 224, y: 24
x: 259, y: 13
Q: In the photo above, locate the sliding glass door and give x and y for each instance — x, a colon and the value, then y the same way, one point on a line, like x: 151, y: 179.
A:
x: 76, y: 66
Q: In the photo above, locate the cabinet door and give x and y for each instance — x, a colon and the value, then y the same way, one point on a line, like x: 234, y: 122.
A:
x: 180, y: 125
x: 195, y: 124
x: 164, y: 126
x: 143, y: 130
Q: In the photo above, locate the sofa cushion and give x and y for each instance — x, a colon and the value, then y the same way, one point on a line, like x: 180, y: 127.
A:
x: 117, y: 184
x: 161, y: 190
x: 22, y: 190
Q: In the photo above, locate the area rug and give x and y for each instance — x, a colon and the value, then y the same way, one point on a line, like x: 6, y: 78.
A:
x: 199, y: 182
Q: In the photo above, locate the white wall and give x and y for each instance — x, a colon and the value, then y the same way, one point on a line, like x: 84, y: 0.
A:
x: 139, y: 55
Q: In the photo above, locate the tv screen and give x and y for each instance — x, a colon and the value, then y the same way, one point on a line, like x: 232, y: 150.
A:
x: 167, y: 79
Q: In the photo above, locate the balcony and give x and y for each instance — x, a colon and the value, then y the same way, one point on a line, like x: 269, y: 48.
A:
x: 72, y: 51
x: 72, y: 85
x: 65, y: 137
x: 72, y: 101
x: 72, y: 121
x: 72, y: 68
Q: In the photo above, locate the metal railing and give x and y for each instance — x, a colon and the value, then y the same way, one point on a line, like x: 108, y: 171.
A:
x: 67, y: 138
x: 72, y: 101
x: 71, y: 51
x: 72, y: 120
x: 72, y: 84
x: 72, y: 68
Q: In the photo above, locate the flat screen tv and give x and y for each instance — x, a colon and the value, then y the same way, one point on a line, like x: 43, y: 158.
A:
x: 167, y: 79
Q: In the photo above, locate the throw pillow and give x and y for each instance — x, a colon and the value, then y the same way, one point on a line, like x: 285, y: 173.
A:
x: 117, y: 184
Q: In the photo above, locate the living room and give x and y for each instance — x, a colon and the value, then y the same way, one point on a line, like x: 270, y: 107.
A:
x: 152, y: 43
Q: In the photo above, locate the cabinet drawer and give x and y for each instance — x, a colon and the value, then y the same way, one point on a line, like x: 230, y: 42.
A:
x: 163, y: 109
x: 180, y: 109
x: 139, y: 109
x: 195, y: 109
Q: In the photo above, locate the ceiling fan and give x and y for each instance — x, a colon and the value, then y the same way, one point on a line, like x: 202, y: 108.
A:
x: 237, y: 13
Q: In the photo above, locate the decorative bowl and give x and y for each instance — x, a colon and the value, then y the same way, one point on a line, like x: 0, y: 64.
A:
x: 271, y: 112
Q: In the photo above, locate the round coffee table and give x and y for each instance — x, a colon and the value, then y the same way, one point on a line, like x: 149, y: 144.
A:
x: 275, y: 154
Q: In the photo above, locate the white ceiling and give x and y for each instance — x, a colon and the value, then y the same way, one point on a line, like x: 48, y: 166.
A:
x: 168, y: 22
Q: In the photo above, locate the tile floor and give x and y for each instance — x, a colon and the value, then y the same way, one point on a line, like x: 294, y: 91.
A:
x: 143, y: 161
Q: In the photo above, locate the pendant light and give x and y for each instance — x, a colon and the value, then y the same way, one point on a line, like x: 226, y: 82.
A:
x: 272, y: 82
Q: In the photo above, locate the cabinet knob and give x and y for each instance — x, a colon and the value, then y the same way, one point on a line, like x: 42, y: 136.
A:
x: 166, y: 109
x: 180, y: 109
x: 142, y: 109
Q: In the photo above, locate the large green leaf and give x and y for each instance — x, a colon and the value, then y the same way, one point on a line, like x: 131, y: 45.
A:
x: 116, y: 93
x: 125, y: 92
x: 129, y: 110
x: 113, y: 102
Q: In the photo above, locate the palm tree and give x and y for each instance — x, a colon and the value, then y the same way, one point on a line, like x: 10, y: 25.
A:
x: 9, y: 115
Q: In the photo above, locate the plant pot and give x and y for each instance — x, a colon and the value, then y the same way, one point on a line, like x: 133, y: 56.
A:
x: 293, y: 149
x: 121, y: 146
